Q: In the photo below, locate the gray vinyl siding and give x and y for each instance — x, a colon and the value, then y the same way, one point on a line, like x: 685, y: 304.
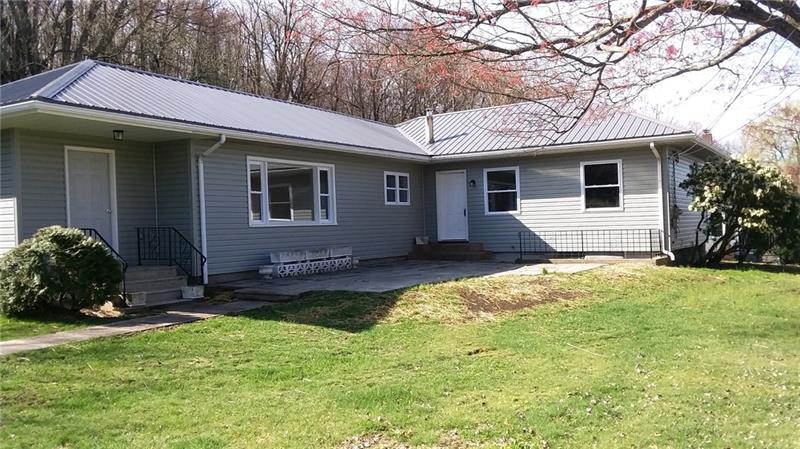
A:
x: 173, y: 185
x: 8, y: 164
x: 364, y: 222
x: 683, y: 235
x: 550, y: 192
x: 43, y: 189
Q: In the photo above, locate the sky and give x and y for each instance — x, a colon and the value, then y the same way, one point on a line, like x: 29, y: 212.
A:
x: 680, y: 102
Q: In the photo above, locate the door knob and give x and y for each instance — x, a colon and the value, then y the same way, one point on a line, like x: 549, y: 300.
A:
x: 108, y: 211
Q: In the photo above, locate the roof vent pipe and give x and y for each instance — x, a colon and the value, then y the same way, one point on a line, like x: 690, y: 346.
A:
x: 429, y: 124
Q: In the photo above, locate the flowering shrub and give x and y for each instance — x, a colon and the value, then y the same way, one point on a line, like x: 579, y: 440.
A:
x: 756, y: 206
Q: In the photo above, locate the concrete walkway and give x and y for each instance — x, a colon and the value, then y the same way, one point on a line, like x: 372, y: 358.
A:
x: 387, y: 276
x: 179, y: 314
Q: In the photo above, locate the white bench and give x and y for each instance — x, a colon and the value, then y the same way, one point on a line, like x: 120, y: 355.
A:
x: 311, y: 261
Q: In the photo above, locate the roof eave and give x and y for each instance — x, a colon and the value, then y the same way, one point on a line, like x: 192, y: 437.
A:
x: 192, y: 129
x: 687, y: 137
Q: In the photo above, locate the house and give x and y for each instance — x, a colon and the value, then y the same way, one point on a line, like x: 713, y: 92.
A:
x: 226, y: 177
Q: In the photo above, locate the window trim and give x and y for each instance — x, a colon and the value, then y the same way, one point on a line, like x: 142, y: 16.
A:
x: 266, y: 221
x: 486, y: 172
x: 396, y: 188
x: 621, y: 206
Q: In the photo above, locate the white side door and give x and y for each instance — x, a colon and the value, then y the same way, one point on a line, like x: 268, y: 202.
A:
x: 91, y: 196
x: 451, y: 205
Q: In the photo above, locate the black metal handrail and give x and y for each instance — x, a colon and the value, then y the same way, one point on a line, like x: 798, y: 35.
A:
x: 581, y: 243
x: 92, y: 233
x: 166, y: 245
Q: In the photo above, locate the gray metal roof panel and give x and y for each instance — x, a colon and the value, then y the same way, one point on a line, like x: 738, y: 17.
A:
x: 527, y: 125
x: 120, y: 89
x: 114, y: 88
x: 28, y: 87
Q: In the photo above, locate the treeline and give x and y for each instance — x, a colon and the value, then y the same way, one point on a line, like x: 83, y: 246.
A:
x: 278, y: 48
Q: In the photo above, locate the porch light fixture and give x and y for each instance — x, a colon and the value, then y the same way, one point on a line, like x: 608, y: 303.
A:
x: 472, y: 183
x: 119, y: 134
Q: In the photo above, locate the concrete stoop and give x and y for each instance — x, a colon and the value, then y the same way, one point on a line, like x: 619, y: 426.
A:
x: 148, y: 286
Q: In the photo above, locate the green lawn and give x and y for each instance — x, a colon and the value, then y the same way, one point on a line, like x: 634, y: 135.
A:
x: 646, y: 357
x: 20, y: 327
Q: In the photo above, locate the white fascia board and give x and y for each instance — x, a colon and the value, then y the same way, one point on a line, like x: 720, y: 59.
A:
x: 568, y: 148
x: 191, y: 129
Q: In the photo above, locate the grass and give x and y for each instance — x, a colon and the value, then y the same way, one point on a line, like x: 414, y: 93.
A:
x: 648, y: 357
x: 28, y: 326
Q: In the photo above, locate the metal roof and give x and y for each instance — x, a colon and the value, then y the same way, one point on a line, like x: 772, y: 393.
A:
x: 107, y: 87
x: 527, y: 125
x: 114, y: 88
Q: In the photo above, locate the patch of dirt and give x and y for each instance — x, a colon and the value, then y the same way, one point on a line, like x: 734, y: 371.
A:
x: 482, y: 300
x: 372, y: 441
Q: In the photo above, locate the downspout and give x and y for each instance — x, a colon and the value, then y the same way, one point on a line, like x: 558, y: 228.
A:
x: 665, y: 218
x: 201, y: 180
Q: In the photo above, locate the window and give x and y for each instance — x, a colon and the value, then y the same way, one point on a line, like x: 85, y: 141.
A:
x: 501, y: 190
x: 289, y: 193
x: 396, y: 188
x: 602, y: 184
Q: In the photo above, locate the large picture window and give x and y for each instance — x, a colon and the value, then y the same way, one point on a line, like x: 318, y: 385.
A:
x: 287, y: 192
x: 396, y: 188
x: 601, y: 184
x: 501, y: 190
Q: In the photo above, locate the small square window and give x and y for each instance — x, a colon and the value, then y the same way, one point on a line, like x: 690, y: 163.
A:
x: 397, y: 188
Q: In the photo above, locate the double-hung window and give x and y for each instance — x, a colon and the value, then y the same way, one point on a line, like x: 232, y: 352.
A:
x: 601, y: 185
x: 396, y: 188
x: 501, y: 190
x: 289, y: 193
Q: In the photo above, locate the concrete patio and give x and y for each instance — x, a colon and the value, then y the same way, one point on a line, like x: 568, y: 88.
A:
x: 382, y: 277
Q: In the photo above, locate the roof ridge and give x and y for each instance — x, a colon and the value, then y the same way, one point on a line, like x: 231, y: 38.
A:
x: 53, y: 88
x: 239, y: 92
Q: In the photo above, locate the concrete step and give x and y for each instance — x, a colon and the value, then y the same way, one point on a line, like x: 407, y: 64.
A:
x: 456, y: 246
x: 147, y: 285
x: 166, y: 296
x: 143, y: 273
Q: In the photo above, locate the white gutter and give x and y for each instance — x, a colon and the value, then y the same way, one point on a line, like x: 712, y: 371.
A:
x: 202, y: 181
x: 566, y: 148
x: 665, y: 219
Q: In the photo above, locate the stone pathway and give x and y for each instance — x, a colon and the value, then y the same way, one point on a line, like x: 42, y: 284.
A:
x: 179, y: 314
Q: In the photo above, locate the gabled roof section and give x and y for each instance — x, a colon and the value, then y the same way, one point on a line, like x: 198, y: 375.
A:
x: 108, y: 87
x: 527, y: 125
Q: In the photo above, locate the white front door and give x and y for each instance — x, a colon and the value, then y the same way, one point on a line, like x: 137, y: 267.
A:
x: 451, y: 205
x: 90, y: 191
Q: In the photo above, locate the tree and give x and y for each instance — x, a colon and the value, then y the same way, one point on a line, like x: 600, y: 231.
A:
x: 747, y: 205
x: 776, y: 139
x: 603, y: 52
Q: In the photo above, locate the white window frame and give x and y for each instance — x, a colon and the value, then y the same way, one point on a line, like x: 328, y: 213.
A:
x: 618, y: 184
x: 266, y: 221
x: 396, y: 189
x: 486, y: 192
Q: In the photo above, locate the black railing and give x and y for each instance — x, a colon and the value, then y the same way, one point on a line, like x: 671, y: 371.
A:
x: 167, y: 246
x: 92, y: 233
x: 582, y: 243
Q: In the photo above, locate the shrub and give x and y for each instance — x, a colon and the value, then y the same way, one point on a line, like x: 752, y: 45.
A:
x: 57, y: 268
x: 754, y: 206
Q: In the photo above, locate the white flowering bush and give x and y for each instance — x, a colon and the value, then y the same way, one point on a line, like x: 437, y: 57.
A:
x: 747, y: 205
